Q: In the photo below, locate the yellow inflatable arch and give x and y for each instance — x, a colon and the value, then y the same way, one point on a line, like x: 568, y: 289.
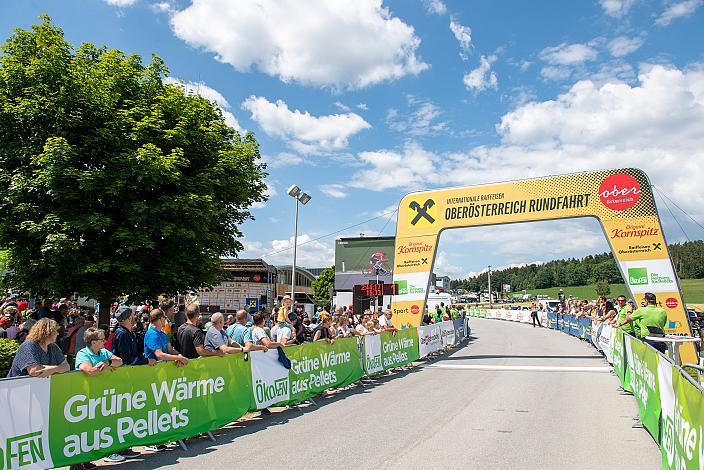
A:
x: 622, y: 200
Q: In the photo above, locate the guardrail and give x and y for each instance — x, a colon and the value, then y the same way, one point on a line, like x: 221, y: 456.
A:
x: 670, y: 402
x: 72, y: 418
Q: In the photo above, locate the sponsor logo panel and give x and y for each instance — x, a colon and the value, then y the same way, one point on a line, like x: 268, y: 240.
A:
x: 411, y: 286
x: 415, y: 254
x: 619, y: 192
x: 636, y: 238
x: 650, y: 275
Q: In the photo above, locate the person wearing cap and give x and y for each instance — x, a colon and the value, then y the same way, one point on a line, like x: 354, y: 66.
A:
x: 283, y: 331
x: 217, y: 342
x: 649, y: 315
x: 156, y: 343
x: 124, y: 342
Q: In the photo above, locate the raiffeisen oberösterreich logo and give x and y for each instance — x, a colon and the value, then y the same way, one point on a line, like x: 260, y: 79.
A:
x: 422, y: 214
x: 619, y: 192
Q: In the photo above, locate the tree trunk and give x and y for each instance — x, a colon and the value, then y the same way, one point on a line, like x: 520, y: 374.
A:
x: 104, y: 313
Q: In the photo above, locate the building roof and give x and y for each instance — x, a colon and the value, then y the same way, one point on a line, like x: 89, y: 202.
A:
x: 303, y: 271
x: 248, y: 265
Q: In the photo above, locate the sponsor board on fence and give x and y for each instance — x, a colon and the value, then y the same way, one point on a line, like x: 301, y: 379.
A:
x: 447, y: 333
x: 314, y: 368
x: 429, y: 339
x: 643, y: 369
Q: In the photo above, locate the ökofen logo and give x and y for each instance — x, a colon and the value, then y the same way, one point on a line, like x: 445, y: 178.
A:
x: 619, y: 192
x: 415, y: 310
x: 671, y: 302
x: 637, y: 276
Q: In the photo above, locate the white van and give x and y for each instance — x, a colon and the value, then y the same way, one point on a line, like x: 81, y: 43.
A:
x: 435, y: 299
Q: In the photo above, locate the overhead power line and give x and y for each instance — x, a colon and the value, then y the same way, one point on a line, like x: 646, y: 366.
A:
x: 662, y: 194
x: 334, y: 233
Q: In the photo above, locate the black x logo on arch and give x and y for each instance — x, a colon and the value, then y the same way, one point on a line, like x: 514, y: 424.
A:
x: 422, y: 212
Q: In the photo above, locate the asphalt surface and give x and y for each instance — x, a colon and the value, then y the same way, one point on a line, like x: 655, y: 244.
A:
x: 511, y: 397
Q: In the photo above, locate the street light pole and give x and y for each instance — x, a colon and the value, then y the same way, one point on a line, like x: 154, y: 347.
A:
x: 295, y: 243
x: 295, y: 192
x: 490, y: 293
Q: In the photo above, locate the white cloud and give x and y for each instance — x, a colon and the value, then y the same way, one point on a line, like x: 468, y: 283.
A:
x: 209, y: 94
x: 310, y: 253
x: 304, y: 132
x: 547, y: 239
x: 283, y: 159
x: 342, y: 106
x: 270, y: 192
x: 568, y: 54
x: 677, y: 10
x: 362, y: 106
x: 435, y: 7
x: 482, y: 78
x: 442, y: 266
x: 463, y: 34
x: 121, y: 3
x: 422, y: 120
x: 329, y: 43
x: 654, y: 125
x: 336, y: 191
x: 617, y: 8
x: 623, y: 45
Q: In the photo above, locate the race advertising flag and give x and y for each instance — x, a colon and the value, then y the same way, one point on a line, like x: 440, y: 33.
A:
x: 621, y: 199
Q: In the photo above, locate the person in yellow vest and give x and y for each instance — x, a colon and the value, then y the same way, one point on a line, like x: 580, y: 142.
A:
x: 649, y: 315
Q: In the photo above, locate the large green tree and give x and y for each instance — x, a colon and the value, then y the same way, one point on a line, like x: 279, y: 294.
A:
x: 111, y: 181
x: 322, y: 287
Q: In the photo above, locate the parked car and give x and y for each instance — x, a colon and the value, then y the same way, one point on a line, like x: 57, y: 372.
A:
x: 695, y: 317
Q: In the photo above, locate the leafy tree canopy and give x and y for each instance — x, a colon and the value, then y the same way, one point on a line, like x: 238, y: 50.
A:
x: 111, y: 181
x: 322, y: 286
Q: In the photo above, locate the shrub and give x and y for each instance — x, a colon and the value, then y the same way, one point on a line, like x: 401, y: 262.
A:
x: 8, y: 348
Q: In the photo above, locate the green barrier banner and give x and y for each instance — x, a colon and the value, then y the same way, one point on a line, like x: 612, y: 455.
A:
x: 388, y: 350
x: 682, y: 443
x: 315, y: 367
x: 399, y: 349
x: 90, y: 417
x: 643, y: 369
x: 619, y: 358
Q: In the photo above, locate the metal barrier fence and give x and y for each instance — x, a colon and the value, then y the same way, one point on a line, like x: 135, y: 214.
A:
x: 670, y: 402
x: 72, y: 418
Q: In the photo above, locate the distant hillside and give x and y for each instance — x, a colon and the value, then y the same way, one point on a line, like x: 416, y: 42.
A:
x: 688, y: 259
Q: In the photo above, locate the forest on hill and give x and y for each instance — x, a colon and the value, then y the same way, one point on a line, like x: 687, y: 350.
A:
x: 688, y: 258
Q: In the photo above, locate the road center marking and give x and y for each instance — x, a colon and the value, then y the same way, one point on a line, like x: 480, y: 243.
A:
x: 520, y: 368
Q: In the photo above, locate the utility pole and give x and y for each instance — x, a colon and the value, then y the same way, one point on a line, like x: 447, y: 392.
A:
x: 490, y: 293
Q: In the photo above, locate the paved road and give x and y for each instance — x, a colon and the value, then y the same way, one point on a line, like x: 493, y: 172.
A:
x: 513, y: 397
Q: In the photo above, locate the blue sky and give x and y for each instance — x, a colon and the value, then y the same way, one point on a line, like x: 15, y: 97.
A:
x: 360, y: 102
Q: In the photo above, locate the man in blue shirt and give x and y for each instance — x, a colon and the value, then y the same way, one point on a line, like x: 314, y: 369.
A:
x: 156, y: 343
x: 242, y: 334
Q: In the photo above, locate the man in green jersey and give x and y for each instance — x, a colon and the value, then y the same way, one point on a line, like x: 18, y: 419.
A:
x: 454, y: 313
x: 624, y: 310
x: 649, y: 315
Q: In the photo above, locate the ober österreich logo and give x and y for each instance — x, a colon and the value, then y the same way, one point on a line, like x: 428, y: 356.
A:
x: 422, y: 212
x: 619, y: 192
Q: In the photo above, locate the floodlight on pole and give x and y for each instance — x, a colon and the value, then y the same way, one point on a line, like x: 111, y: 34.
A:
x: 295, y: 192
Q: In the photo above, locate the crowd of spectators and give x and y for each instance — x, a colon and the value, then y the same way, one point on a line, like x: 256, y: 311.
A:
x: 58, y: 336
x: 618, y: 312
